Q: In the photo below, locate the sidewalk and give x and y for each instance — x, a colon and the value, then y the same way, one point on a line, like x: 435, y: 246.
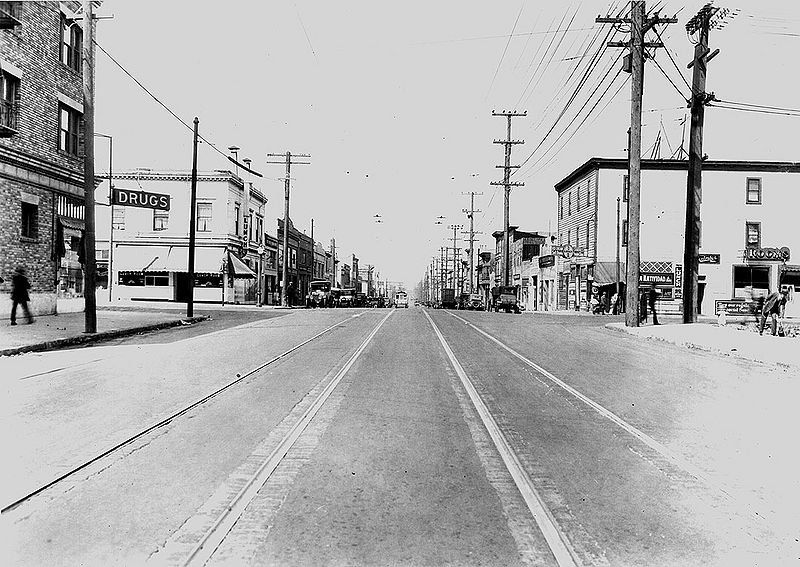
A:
x: 49, y: 332
x: 738, y: 340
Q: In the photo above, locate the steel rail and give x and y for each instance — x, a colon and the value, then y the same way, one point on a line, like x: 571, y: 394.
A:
x: 215, y: 535
x: 556, y: 539
x: 168, y: 419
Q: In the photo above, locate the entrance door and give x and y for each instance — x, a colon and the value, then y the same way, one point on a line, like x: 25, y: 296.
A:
x: 182, y: 287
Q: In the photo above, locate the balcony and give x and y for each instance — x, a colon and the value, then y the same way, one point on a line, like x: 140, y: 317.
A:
x: 9, y: 15
x: 8, y: 118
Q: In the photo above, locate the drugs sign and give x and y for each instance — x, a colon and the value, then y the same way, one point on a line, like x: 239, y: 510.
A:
x: 130, y: 198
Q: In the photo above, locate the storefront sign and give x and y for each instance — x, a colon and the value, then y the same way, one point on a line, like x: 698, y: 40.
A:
x: 658, y: 279
x: 568, y: 251
x: 778, y: 254
x: 734, y: 307
x: 129, y: 198
x: 547, y: 261
x: 709, y: 258
x: 678, y: 281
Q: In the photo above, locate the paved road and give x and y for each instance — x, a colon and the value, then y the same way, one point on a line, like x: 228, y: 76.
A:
x: 411, y: 437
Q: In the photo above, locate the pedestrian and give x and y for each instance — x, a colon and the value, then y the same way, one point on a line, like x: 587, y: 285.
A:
x: 643, y: 306
x: 651, y: 299
x: 774, y: 308
x: 603, y: 303
x: 19, y: 295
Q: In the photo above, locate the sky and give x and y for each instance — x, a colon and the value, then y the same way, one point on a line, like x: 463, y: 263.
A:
x: 393, y: 102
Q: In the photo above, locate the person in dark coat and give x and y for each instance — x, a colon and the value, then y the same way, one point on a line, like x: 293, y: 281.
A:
x: 19, y: 295
x: 774, y: 307
x: 652, y: 295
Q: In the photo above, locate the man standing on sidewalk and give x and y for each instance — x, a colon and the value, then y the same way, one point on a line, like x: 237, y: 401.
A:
x: 651, y: 299
x: 774, y: 308
x: 19, y: 295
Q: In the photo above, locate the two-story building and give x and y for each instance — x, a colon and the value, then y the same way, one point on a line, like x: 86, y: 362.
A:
x: 41, y: 150
x: 146, y: 250
x: 748, y: 230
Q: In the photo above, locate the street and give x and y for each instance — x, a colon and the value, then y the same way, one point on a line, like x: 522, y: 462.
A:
x: 398, y: 437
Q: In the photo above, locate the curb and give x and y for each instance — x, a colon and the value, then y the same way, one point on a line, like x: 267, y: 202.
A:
x: 100, y: 337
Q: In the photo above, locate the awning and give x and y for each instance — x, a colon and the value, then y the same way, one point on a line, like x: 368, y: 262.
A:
x: 238, y: 268
x: 605, y: 273
x: 166, y: 259
x: 74, y: 224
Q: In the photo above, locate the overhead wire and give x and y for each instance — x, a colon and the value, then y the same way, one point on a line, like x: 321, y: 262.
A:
x: 505, y: 49
x: 171, y: 112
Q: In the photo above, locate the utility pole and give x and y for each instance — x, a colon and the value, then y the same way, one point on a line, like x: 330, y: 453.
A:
x: 617, y: 249
x: 335, y: 261
x: 313, y: 251
x: 285, y: 271
x: 192, y: 223
x: 639, y: 25
x: 507, y: 184
x: 455, y: 227
x: 442, y: 271
x: 701, y: 23
x: 471, y: 216
x: 89, y: 254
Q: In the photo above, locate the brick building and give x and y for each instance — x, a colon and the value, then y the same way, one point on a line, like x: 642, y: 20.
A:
x: 41, y: 149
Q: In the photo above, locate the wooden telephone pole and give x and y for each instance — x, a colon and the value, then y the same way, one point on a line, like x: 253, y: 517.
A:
x: 507, y: 184
x: 471, y: 216
x: 89, y: 253
x: 639, y: 24
x: 284, y: 270
x: 701, y: 23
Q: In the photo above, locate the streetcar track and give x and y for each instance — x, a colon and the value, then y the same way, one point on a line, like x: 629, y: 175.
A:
x: 560, y: 546
x: 659, y: 450
x: 210, y: 541
x: 165, y: 421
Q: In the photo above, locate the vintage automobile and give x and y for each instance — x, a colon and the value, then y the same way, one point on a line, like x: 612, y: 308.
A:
x: 505, y: 297
x: 320, y: 294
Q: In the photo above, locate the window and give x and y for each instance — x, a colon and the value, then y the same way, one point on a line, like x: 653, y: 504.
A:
x: 625, y: 233
x: 203, y: 217
x: 71, y: 43
x: 9, y: 87
x: 588, y: 193
x: 156, y: 278
x: 118, y: 218
x: 750, y: 281
x: 753, y: 191
x: 569, y: 237
x: 69, y: 119
x: 569, y: 204
x: 588, y: 224
x: 259, y: 228
x: 30, y: 220
x: 236, y: 220
x: 160, y: 219
x: 250, y: 226
x: 626, y: 189
x: 577, y: 198
x: 753, y: 235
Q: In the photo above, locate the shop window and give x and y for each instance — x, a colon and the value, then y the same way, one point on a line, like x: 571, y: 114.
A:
x: 30, y: 220
x: 753, y: 191
x: 207, y: 280
x: 753, y: 235
x: 203, y: 217
x: 156, y: 279
x: 750, y: 281
x: 74, y: 243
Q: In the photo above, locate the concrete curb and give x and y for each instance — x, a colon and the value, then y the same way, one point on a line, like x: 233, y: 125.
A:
x: 100, y: 337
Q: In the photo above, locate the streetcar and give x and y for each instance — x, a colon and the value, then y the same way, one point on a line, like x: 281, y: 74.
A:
x: 401, y: 299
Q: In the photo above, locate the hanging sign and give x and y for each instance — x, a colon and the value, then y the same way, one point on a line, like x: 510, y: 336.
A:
x: 779, y: 254
x: 130, y: 198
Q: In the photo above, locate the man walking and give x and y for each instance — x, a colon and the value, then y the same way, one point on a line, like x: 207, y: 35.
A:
x: 19, y: 295
x: 651, y: 299
x: 774, y: 308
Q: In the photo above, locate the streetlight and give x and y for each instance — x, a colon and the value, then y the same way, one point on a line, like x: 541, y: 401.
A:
x: 111, y: 213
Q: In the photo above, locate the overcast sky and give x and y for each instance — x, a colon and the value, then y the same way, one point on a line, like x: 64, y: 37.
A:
x: 393, y: 101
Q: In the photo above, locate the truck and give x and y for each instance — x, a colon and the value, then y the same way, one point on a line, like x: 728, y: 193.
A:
x: 475, y: 302
x: 449, y: 298
x: 505, y: 297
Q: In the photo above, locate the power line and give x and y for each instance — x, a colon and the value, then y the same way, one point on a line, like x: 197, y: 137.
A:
x: 663, y: 72
x: 757, y: 105
x: 496, y: 71
x: 671, y: 58
x: 168, y: 109
x: 757, y: 110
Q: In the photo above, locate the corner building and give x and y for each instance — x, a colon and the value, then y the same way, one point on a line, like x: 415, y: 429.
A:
x: 41, y: 150
x: 748, y: 246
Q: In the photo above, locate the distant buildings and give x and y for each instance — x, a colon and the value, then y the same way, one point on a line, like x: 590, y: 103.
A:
x: 41, y: 150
